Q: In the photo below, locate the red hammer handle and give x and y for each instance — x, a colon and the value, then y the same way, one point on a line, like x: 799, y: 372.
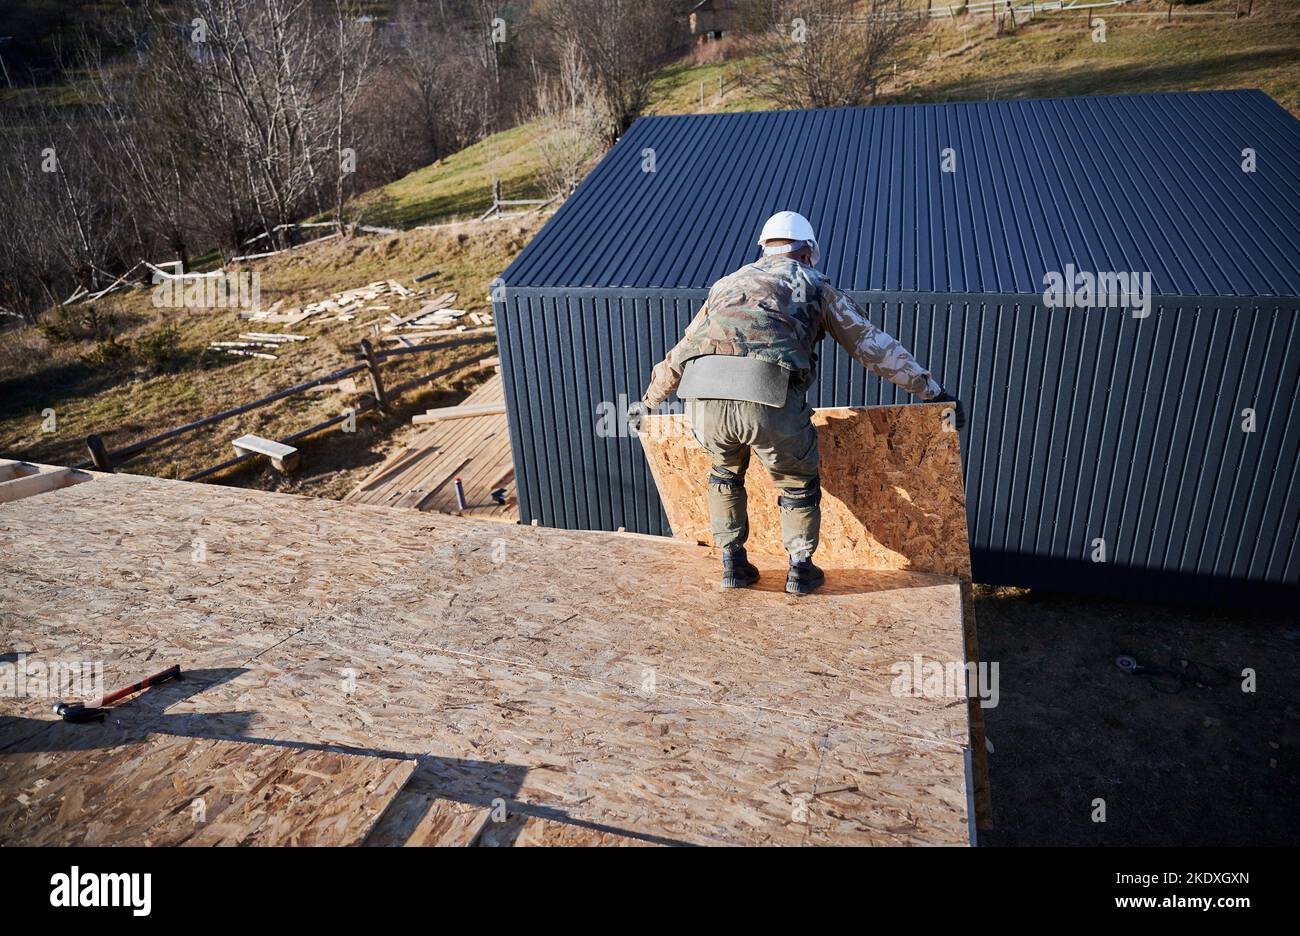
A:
x: 169, y: 673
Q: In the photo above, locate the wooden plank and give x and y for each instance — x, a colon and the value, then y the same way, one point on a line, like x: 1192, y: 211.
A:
x: 420, y: 475
x: 284, y: 457
x: 10, y: 469
x: 491, y: 390
x: 46, y: 479
x: 427, y: 457
x: 490, y: 468
x: 175, y: 790
x: 458, y: 412
x: 647, y: 703
x: 483, y: 449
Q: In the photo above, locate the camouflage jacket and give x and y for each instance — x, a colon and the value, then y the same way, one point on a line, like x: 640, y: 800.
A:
x: 776, y: 309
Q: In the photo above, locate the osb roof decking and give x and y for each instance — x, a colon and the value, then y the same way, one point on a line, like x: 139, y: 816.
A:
x: 601, y: 685
x: 177, y: 790
x: 474, y: 448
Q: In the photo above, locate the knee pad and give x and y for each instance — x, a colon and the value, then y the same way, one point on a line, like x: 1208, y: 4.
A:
x: 729, y: 480
x: 810, y: 495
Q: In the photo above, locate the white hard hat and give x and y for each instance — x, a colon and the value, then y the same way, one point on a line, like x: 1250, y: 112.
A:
x: 792, y: 226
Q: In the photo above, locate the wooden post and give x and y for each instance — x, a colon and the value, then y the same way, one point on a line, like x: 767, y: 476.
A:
x: 99, y: 454
x: 496, y: 193
x: 376, y: 382
x: 1170, y: 17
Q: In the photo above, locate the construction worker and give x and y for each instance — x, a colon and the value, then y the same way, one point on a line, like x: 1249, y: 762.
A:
x: 744, y: 368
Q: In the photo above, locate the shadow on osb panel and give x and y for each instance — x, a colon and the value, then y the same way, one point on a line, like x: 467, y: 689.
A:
x: 845, y: 581
x: 439, y: 794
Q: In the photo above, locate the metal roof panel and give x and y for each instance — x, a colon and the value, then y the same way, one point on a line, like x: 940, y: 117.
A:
x: 1143, y: 183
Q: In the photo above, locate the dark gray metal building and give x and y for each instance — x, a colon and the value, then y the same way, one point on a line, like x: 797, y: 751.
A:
x: 1091, y: 422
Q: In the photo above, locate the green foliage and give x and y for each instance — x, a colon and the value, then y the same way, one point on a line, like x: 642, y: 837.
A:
x: 108, y: 355
x: 87, y: 322
x: 157, y: 352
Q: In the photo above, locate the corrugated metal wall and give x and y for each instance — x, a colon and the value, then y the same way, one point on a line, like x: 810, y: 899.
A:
x: 1084, y: 425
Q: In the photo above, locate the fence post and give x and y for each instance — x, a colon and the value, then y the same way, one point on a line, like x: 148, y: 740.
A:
x: 376, y: 382
x: 99, y: 454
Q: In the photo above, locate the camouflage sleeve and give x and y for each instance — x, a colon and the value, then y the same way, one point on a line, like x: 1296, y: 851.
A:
x: 667, y: 374
x: 872, y: 348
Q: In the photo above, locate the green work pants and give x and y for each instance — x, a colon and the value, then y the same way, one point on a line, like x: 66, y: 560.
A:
x: 786, y: 444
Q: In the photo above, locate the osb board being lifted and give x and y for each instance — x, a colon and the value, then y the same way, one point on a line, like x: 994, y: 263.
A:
x: 170, y: 790
x: 476, y: 449
x: 892, y: 498
x: 589, y: 679
x: 891, y: 489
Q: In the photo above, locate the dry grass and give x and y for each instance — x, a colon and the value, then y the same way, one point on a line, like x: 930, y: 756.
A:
x: 1055, y: 55
x: 142, y: 395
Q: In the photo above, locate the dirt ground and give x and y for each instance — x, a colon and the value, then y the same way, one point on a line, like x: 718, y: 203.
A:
x: 1195, y: 764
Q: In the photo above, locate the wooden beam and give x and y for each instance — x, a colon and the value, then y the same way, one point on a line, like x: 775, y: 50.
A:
x: 40, y: 483
x: 459, y: 412
x: 284, y: 457
x: 15, y: 469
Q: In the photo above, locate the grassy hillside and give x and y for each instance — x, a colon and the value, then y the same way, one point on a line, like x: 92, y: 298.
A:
x: 459, y: 187
x: 155, y: 373
x: 1056, y: 55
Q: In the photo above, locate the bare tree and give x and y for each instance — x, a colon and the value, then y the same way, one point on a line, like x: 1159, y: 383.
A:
x: 217, y: 120
x: 827, y: 53
x: 353, y: 57
x: 568, y: 120
x: 622, y: 42
x: 446, y: 75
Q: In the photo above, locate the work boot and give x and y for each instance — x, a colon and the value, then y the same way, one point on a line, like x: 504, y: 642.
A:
x: 737, y: 570
x: 803, y: 577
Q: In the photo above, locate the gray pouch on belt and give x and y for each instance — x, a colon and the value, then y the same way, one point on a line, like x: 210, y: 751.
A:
x: 732, y: 377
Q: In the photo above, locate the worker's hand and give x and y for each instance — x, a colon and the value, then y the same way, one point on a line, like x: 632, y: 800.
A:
x: 959, y: 411
x: 635, y: 412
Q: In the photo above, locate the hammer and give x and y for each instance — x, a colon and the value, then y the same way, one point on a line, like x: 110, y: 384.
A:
x: 80, y: 712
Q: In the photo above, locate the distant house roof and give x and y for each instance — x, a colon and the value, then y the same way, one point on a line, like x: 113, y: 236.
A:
x: 1150, y: 182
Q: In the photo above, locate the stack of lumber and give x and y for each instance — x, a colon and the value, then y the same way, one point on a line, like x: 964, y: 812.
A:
x: 436, y: 313
x: 344, y: 305
x: 474, y: 446
x: 433, y: 314
x: 642, y: 702
x: 256, y: 344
